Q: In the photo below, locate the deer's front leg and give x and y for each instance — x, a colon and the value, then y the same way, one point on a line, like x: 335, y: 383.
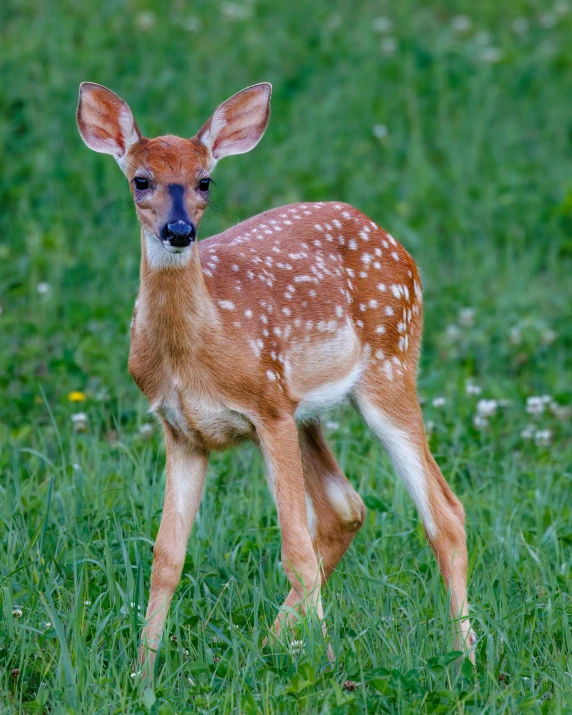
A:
x: 186, y: 469
x: 281, y: 450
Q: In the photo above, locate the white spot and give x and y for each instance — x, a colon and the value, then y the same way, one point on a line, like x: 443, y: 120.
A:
x: 380, y: 330
x: 226, y: 304
x: 311, y: 516
x: 372, y: 303
x: 256, y: 348
x: 352, y: 244
x: 339, y: 496
x: 248, y: 313
x: 382, y: 287
x: 270, y: 375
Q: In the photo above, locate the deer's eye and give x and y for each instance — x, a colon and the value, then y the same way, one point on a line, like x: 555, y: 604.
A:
x: 141, y: 184
x: 204, y: 184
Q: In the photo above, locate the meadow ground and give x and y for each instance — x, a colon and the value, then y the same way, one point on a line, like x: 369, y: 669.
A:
x: 450, y: 125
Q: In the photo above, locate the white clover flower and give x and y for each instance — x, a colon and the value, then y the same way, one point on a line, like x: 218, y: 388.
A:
x: 548, y: 336
x: 490, y: 55
x: 486, y: 408
x: 87, y: 603
x: 453, y: 332
x: 388, y: 45
x: 190, y: 23
x: 547, y: 20
x: 17, y: 612
x: 472, y: 389
x: 334, y: 21
x: 235, y: 11
x: 561, y: 412
x: 439, y: 401
x: 543, y: 437
x: 44, y: 289
x: 47, y: 625
x: 146, y: 431
x: 379, y: 131
x: 79, y: 420
x: 514, y: 335
x: 480, y: 422
x: 461, y: 23
x: 519, y: 25
x: 467, y: 316
x: 528, y: 432
x: 537, y: 405
x: 382, y: 24
x: 145, y: 20
x: 296, y: 647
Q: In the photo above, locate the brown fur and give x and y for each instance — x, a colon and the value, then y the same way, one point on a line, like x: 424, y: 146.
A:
x: 288, y: 311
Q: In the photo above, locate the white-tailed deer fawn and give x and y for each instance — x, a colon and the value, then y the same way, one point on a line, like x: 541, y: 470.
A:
x: 253, y: 333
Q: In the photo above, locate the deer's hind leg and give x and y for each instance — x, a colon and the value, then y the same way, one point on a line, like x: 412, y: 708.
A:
x: 394, y: 416
x: 335, y: 511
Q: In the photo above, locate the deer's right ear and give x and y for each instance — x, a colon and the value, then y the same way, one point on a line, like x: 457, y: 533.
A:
x: 105, y: 121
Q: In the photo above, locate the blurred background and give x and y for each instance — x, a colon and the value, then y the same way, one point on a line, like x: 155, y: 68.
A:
x: 449, y: 124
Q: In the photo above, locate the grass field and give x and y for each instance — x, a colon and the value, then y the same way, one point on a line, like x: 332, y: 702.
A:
x: 452, y: 133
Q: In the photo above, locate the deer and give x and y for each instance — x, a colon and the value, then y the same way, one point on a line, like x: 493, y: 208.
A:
x: 253, y: 334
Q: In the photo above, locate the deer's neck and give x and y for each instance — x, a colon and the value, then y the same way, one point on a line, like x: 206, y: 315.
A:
x: 174, y: 307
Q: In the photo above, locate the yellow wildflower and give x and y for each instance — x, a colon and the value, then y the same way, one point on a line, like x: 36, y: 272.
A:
x: 76, y: 396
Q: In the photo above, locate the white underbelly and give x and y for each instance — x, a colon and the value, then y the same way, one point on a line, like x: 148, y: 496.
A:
x: 322, y: 375
x: 327, y: 395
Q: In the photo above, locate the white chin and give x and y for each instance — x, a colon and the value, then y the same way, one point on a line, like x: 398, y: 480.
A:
x: 161, y: 255
x: 174, y: 249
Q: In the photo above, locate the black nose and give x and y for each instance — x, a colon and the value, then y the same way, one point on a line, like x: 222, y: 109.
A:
x: 180, y: 233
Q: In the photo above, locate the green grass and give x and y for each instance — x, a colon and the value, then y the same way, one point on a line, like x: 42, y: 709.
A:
x: 473, y: 176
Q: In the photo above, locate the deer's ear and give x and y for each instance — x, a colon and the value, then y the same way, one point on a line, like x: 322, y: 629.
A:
x: 239, y: 123
x: 105, y: 121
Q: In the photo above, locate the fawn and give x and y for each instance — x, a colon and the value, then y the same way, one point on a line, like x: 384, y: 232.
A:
x: 252, y: 334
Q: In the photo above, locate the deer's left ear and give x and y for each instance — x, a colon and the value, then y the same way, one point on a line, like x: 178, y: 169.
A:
x: 105, y: 121
x: 239, y: 123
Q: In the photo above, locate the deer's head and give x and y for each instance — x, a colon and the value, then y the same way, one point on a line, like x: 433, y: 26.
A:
x: 170, y: 176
